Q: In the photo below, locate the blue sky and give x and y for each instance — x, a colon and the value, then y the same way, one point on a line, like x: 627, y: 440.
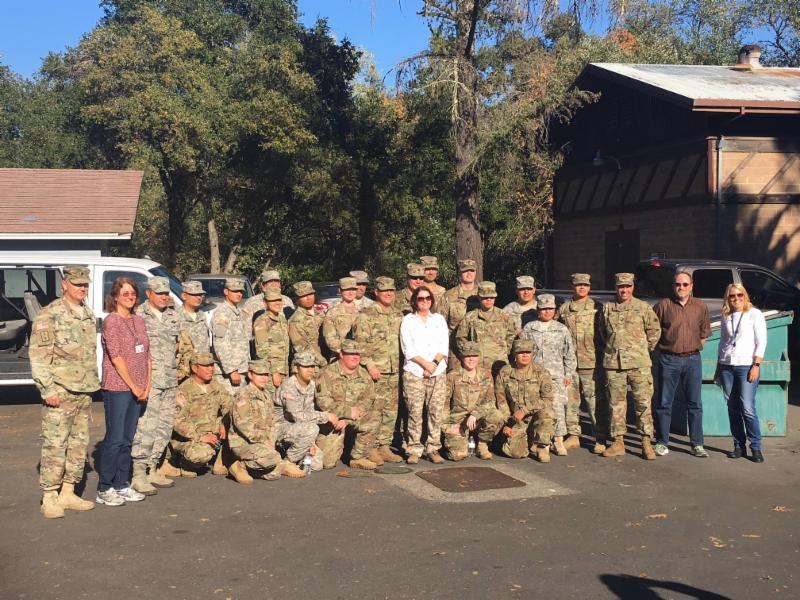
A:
x: 389, y: 29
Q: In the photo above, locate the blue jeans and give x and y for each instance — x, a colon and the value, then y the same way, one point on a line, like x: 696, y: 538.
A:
x: 686, y: 373
x: 122, y: 414
x: 740, y: 395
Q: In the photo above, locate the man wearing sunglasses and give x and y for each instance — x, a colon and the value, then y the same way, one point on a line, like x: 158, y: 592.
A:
x: 685, y: 326
x: 415, y: 277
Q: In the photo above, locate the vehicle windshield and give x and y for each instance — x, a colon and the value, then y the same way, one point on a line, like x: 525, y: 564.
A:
x: 654, y: 281
x: 174, y: 285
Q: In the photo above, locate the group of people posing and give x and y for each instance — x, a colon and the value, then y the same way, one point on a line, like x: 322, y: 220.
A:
x: 248, y: 393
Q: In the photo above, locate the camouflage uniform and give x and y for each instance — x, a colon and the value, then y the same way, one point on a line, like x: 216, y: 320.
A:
x: 338, y: 392
x: 200, y: 411
x: 271, y: 338
x: 337, y: 325
x: 363, y: 303
x: 494, y: 331
x: 432, y: 262
x: 455, y: 305
x: 193, y: 338
x: 297, y: 420
x: 469, y: 397
x: 304, y: 331
x: 531, y: 391
x: 252, y: 433
x: 230, y: 343
x: 155, y: 424
x: 553, y: 350
x: 402, y: 301
x: 255, y: 304
x: 63, y: 355
x: 522, y: 315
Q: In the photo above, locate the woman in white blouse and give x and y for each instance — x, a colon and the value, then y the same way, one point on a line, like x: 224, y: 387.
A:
x: 424, y: 339
x: 743, y: 341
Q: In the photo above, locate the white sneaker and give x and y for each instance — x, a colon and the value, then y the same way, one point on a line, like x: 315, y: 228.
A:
x: 661, y: 449
x: 110, y: 497
x: 130, y: 495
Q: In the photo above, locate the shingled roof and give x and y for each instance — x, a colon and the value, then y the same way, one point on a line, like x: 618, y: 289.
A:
x: 68, y: 203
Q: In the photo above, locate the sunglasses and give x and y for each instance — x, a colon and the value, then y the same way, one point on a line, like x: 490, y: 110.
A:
x: 677, y: 284
x: 128, y: 294
x: 732, y: 296
x: 416, y: 278
x: 424, y: 298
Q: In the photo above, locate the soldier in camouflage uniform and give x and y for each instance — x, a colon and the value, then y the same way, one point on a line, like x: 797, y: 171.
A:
x: 430, y: 265
x: 252, y: 433
x: 296, y: 418
x: 581, y: 315
x: 415, y: 277
x: 339, y: 320
x: 523, y: 309
x: 362, y: 301
x: 255, y: 304
x: 203, y: 401
x: 524, y: 394
x: 457, y: 302
x: 63, y: 355
x: 377, y: 331
x: 155, y: 425
x: 229, y: 340
x: 472, y: 407
x: 630, y: 331
x: 194, y: 335
x: 490, y: 327
x: 271, y: 336
x: 554, y: 352
x: 306, y: 322
x: 345, y: 389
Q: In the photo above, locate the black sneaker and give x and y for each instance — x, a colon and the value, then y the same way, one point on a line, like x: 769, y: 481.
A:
x: 737, y: 453
x: 756, y: 456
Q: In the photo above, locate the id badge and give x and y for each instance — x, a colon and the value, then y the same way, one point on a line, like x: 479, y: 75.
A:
x: 139, y: 348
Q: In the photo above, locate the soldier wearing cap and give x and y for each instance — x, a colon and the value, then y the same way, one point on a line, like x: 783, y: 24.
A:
x: 270, y: 278
x: 306, y: 322
x: 555, y: 352
x: 345, y: 389
x: 472, y: 407
x: 524, y: 394
x: 362, y: 282
x: 339, y: 320
x: 377, y: 331
x: 493, y: 329
x: 629, y: 331
x: 198, y: 433
x: 523, y: 309
x: 63, y: 355
x: 155, y: 424
x: 252, y: 433
x: 415, y: 277
x: 430, y: 265
x: 194, y: 334
x: 296, y: 417
x: 229, y: 339
x: 458, y: 301
x: 271, y: 336
x: 581, y: 315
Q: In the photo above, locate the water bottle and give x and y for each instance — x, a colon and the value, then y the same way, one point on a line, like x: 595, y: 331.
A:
x: 307, y: 460
x: 471, y: 445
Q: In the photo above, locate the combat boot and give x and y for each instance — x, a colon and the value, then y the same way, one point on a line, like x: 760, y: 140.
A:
x: 375, y: 456
x: 140, y: 482
x: 615, y: 449
x: 543, y: 454
x: 239, y: 472
x: 647, y: 448
x: 558, y: 446
x: 362, y: 463
x: 219, y: 465
x: 158, y: 480
x: 292, y: 470
x: 599, y: 447
x: 67, y: 499
x: 456, y: 456
x: 388, y: 456
x: 167, y: 469
x: 434, y: 457
x: 276, y: 473
x: 187, y: 470
x: 572, y: 441
x: 482, y: 451
x: 51, y: 509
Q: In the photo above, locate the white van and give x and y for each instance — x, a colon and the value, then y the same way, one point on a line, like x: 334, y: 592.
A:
x: 29, y: 282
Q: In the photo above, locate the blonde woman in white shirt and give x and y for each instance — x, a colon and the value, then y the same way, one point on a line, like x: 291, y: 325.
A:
x: 424, y: 339
x: 743, y: 341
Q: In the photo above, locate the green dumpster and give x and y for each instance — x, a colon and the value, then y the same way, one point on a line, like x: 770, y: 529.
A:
x: 773, y: 390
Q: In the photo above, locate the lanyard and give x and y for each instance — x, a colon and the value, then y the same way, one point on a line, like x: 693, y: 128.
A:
x: 738, y: 325
x: 132, y: 328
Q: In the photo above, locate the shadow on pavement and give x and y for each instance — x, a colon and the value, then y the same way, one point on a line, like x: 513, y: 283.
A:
x: 629, y: 587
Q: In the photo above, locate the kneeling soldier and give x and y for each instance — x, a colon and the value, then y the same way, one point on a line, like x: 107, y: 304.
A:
x: 345, y: 389
x: 524, y: 395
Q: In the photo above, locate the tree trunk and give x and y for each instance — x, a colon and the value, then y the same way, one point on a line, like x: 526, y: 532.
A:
x: 230, y: 262
x: 213, y: 237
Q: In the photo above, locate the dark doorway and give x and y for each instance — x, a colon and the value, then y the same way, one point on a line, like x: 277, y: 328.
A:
x: 622, y: 253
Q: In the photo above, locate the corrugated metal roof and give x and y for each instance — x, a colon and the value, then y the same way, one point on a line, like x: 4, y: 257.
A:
x: 704, y: 87
x: 68, y: 201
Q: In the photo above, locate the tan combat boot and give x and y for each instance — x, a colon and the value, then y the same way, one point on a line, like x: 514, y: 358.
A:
x: 543, y: 454
x: 157, y: 479
x: 239, y: 472
x: 457, y: 456
x: 292, y: 470
x: 167, y: 469
x: 615, y: 449
x: 67, y: 499
x: 375, y: 456
x: 558, y: 446
x: 599, y: 447
x: 187, y: 470
x: 219, y: 466
x: 140, y: 482
x: 482, y: 451
x: 572, y: 441
x: 276, y: 473
x: 388, y: 456
x: 647, y: 448
x: 51, y: 509
x: 362, y: 463
x: 434, y: 457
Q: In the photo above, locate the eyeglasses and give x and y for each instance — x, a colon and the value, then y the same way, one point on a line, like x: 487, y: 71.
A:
x: 424, y: 298
x: 732, y: 296
x: 681, y: 284
x: 128, y: 294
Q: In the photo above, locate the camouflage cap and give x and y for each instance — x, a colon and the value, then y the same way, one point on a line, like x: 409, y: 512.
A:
x: 272, y: 293
x: 350, y: 347
x: 383, y: 283
x: 159, y: 285
x: 429, y: 262
x: 194, y: 288
x: 347, y: 283
x: 76, y: 274
x: 467, y: 348
x: 581, y: 278
x: 234, y: 284
x: 305, y: 359
x: 546, y: 301
x: 303, y: 288
x: 487, y: 289
x: 415, y: 270
x: 467, y: 264
x: 521, y: 345
x: 525, y: 282
x: 202, y: 358
x: 361, y: 276
x: 259, y: 366
x: 270, y: 275
x: 622, y: 279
